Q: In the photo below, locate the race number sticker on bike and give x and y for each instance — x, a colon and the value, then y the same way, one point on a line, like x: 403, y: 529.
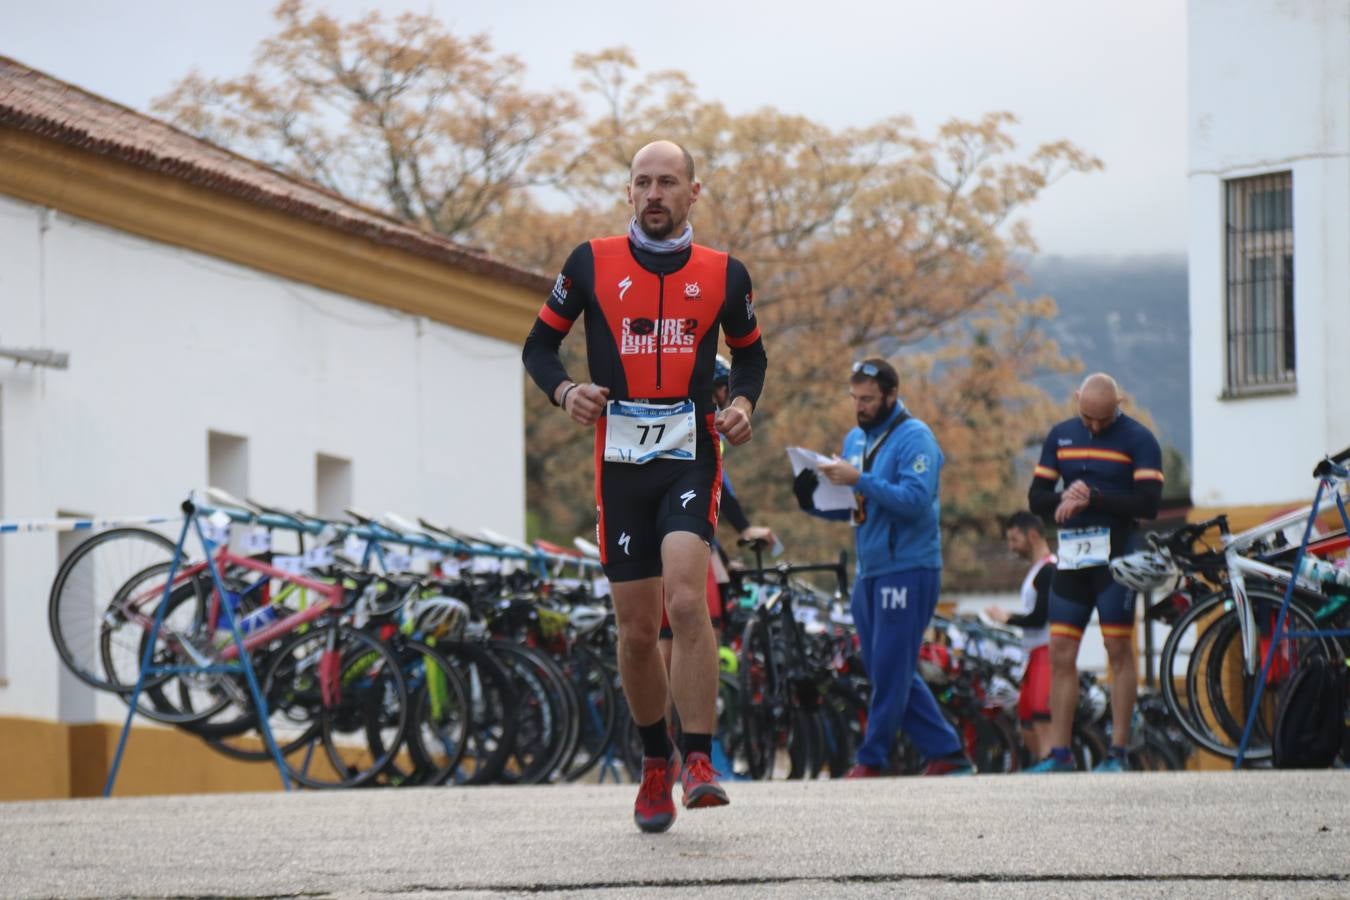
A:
x: 1083, y: 548
x: 641, y: 432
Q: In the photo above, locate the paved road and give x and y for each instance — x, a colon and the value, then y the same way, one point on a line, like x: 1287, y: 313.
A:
x: 1248, y: 834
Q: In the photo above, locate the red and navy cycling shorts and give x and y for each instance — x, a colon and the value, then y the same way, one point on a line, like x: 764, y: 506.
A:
x: 638, y: 505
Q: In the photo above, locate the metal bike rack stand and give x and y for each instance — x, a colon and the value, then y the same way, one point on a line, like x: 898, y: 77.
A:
x: 1328, y: 472
x: 192, y: 522
x: 375, y: 535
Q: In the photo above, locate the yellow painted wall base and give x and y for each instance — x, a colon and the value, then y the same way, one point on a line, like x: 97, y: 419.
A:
x: 52, y: 760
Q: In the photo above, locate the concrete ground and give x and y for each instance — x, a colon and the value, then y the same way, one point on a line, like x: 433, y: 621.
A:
x: 1235, y: 834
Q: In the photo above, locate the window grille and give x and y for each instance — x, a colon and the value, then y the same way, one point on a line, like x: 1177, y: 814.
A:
x: 1260, y: 292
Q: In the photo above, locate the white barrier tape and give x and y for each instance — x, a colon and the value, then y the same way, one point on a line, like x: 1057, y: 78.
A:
x: 35, y: 525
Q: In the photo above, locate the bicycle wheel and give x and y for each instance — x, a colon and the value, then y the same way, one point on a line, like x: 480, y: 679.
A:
x: 1230, y: 692
x: 439, y: 723
x: 86, y: 584
x: 783, y: 738
x: 593, y: 683
x: 180, y: 699
x: 1202, y: 676
x: 541, y: 713
x: 359, y: 727
x: 1153, y: 753
x: 492, y: 704
x: 990, y: 743
x: 1088, y: 746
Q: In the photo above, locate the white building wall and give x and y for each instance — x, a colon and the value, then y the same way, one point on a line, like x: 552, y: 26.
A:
x: 1269, y: 91
x: 166, y: 345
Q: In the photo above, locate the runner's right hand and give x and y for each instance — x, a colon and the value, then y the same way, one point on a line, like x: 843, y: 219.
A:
x: 586, y: 402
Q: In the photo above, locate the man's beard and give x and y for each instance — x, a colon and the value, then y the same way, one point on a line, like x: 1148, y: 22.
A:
x: 887, y: 407
x: 661, y: 232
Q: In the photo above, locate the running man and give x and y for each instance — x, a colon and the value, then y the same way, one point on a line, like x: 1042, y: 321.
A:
x: 1111, y: 468
x: 655, y: 303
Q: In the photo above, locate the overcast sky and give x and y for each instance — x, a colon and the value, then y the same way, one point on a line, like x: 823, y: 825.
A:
x: 1106, y: 74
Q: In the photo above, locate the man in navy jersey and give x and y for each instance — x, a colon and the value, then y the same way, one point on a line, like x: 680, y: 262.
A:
x: 1110, y: 467
x: 655, y: 303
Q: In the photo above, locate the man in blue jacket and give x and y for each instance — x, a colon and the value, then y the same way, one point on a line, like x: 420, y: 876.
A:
x: 893, y: 463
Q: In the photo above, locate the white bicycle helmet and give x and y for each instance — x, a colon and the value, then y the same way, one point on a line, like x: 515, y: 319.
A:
x: 441, y: 616
x: 586, y: 619
x: 1144, y: 571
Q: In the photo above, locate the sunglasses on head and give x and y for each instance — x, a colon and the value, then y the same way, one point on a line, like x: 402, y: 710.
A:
x: 866, y: 368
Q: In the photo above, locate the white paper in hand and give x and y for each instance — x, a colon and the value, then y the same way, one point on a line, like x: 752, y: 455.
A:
x: 827, y: 496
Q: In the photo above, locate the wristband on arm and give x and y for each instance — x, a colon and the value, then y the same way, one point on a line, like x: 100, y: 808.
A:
x: 563, y: 402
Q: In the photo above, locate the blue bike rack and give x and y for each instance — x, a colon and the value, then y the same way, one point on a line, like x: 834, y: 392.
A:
x: 191, y: 522
x: 1326, y: 472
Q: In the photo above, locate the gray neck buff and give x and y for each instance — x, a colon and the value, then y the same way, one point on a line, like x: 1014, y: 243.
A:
x: 652, y: 245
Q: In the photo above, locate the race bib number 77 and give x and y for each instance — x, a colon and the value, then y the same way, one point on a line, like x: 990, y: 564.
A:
x: 641, y: 432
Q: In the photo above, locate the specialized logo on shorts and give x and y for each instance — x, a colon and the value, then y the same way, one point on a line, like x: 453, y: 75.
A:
x: 750, y: 305
x: 560, y: 289
x: 893, y: 598
x: 638, y: 336
x: 624, y: 538
x: 691, y: 290
x: 920, y: 464
x: 686, y: 497
x: 624, y: 285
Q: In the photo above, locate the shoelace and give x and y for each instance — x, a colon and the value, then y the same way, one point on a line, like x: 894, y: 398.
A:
x: 699, y: 770
x: 653, y: 787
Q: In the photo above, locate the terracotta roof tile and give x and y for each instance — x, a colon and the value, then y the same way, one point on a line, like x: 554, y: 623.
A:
x: 34, y: 102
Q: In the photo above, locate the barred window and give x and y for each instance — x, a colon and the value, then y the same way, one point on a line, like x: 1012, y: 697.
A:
x: 1260, y: 258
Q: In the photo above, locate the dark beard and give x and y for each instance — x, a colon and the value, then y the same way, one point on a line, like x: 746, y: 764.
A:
x: 662, y: 232
x: 882, y: 415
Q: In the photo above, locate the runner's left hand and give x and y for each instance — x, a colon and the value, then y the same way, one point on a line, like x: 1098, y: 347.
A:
x: 734, y: 423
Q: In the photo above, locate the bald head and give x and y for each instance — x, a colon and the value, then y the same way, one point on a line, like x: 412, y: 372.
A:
x: 666, y: 151
x: 1098, y: 401
x: 661, y: 188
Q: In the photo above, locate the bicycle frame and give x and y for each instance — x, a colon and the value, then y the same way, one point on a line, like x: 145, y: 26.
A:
x: 1239, y: 565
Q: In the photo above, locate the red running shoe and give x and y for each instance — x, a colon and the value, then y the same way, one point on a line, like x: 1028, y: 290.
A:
x: 699, y: 779
x: 958, y: 765
x: 654, y: 810
x: 860, y: 770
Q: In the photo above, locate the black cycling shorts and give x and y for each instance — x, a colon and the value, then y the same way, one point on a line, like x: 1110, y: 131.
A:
x: 637, y: 506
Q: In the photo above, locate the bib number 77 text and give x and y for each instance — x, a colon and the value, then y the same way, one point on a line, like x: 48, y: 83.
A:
x: 646, y: 430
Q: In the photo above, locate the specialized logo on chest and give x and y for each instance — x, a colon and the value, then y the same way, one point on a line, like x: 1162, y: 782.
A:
x: 658, y: 321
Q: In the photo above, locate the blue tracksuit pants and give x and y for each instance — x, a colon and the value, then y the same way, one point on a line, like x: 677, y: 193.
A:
x: 890, y: 613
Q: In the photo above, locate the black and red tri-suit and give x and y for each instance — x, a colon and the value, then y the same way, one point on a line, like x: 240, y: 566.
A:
x: 652, y: 323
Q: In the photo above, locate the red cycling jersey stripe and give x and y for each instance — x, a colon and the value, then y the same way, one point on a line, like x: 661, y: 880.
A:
x: 553, y: 320
x: 599, y: 494
x: 737, y: 343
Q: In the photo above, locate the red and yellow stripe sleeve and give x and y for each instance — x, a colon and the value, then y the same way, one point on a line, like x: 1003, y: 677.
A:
x: 1092, y: 453
x: 1148, y: 475
x: 1046, y: 472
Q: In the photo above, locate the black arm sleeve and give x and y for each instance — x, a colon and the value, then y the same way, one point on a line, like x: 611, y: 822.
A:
x: 732, y: 511
x: 1043, y: 498
x: 1141, y: 503
x: 1040, y: 614
x: 749, y: 362
x: 564, y: 305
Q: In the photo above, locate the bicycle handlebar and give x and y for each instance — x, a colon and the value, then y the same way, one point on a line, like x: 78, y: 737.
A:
x: 1333, y: 465
x: 783, y: 570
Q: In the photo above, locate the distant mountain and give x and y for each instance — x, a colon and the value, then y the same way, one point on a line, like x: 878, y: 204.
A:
x: 1126, y: 316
